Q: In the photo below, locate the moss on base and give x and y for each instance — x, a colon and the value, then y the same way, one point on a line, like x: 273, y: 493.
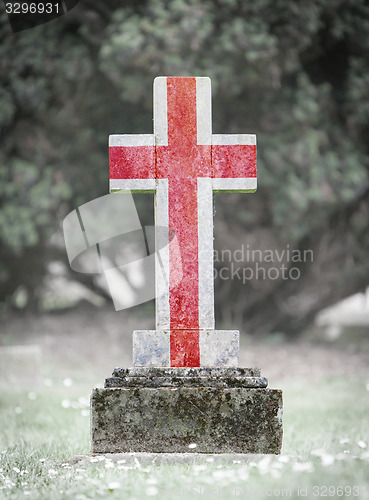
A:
x: 159, y: 420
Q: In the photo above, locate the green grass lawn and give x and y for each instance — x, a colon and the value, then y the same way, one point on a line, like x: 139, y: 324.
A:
x: 325, y: 451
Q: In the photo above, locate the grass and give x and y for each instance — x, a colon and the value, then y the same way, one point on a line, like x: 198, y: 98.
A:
x: 325, y: 451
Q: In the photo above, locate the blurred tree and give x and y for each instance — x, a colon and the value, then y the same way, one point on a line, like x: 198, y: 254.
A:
x: 296, y: 74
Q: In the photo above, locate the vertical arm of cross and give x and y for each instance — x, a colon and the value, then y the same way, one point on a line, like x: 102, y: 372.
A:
x: 182, y: 129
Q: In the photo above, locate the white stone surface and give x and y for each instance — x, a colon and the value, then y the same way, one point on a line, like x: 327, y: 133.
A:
x: 132, y: 185
x: 127, y: 140
x: 160, y: 111
x: 203, y: 110
x: 217, y: 348
x: 206, y: 254
x: 151, y: 348
x: 162, y: 257
x: 245, y: 184
x: 234, y: 139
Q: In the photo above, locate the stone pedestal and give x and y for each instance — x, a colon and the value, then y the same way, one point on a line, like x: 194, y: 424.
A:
x: 165, y: 410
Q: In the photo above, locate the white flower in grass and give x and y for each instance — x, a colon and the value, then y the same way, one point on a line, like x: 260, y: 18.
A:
x: 277, y: 465
x: 344, y: 440
x: 65, y: 403
x: 83, y: 401
x: 85, y: 413
x: 327, y: 460
x: 32, y: 396
x: 275, y: 473
x: 152, y: 491
x: 26, y: 492
x: 152, y: 480
x: 199, y: 467
x: 303, y: 467
x: 121, y: 461
x: 18, y: 410
x: 192, y: 446
x: 42, y: 460
x: 361, y: 444
x: 8, y: 483
x: 264, y: 464
x: 318, y: 453
x: 52, y: 472
x: 94, y: 459
x: 243, y: 474
x: 210, y: 459
x: 109, y: 465
x: 114, y: 485
x: 15, y: 469
x: 219, y: 474
x: 341, y: 456
x: 67, y: 382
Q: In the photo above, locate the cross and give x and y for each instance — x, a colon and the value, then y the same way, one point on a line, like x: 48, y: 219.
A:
x: 183, y: 163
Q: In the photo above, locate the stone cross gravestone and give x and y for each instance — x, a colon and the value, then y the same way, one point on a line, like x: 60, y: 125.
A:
x: 185, y: 386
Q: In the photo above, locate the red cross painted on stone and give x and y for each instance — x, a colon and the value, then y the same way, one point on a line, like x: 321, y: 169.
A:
x: 183, y: 163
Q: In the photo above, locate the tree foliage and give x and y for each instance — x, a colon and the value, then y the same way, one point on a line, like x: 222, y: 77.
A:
x: 294, y: 73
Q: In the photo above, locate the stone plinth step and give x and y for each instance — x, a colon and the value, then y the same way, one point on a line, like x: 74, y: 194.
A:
x: 186, y: 377
x: 162, y: 371
x: 252, y: 382
x: 169, y: 419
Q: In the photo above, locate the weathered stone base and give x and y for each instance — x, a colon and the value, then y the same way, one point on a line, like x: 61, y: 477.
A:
x: 169, y: 419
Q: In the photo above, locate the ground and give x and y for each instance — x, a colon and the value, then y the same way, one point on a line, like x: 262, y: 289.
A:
x: 42, y: 427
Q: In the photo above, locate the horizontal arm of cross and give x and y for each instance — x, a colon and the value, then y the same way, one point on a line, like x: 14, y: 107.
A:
x: 233, y: 158
x: 132, y: 163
